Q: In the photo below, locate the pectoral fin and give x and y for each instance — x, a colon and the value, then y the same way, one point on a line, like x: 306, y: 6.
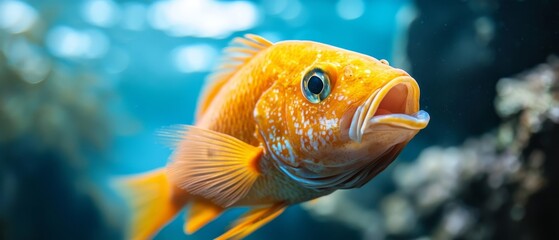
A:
x: 213, y: 165
x: 252, y: 221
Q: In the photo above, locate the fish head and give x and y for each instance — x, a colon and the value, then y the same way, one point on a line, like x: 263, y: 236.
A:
x: 334, y: 118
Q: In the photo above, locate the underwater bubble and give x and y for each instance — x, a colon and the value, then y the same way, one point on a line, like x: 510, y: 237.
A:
x: 117, y: 60
x: 98, y: 44
x: 102, y: 13
x: 183, y: 18
x: 27, y: 60
x: 293, y: 11
x: 195, y: 58
x: 35, y: 69
x: 17, y: 50
x: 156, y: 16
x: 133, y: 16
x: 242, y: 15
x: 16, y: 16
x: 67, y: 42
x: 350, y: 9
x: 275, y: 7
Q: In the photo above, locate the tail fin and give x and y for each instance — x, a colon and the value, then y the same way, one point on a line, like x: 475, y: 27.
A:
x: 150, y: 197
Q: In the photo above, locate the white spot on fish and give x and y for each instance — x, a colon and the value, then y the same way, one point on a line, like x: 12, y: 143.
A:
x: 322, y: 142
x: 315, y: 145
x: 290, y: 151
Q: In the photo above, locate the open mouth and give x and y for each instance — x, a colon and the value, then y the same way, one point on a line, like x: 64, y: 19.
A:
x: 395, y: 104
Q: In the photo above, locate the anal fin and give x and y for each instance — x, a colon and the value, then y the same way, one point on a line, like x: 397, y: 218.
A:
x: 201, y: 213
x: 252, y: 221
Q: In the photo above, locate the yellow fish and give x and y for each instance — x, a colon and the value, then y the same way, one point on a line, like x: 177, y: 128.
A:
x: 279, y: 124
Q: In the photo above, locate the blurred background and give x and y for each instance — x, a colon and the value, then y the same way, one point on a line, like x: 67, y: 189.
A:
x: 85, y: 85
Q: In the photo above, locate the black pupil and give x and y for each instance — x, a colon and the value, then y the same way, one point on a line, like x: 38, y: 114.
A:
x: 315, y: 85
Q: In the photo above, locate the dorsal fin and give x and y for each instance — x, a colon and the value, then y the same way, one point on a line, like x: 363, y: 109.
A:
x: 239, y: 52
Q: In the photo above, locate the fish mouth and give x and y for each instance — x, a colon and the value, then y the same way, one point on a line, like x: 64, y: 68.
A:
x: 396, y: 104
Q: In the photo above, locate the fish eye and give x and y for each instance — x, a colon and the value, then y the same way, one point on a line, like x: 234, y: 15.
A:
x: 315, y: 85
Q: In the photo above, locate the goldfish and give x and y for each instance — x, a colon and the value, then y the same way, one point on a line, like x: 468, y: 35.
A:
x: 277, y: 125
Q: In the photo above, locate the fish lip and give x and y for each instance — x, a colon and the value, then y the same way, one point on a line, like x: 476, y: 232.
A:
x: 412, y: 118
x: 415, y: 121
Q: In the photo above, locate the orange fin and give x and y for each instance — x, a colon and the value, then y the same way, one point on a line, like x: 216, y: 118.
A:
x: 239, y: 52
x: 151, y: 200
x: 201, y: 212
x: 252, y: 221
x: 213, y: 165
